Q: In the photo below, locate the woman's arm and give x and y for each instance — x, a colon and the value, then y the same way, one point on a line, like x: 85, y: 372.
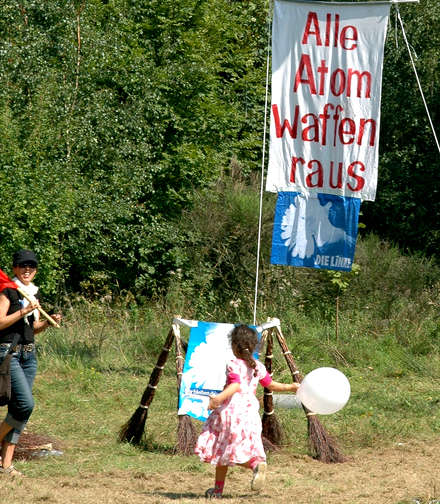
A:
x: 44, y: 324
x: 230, y: 390
x: 7, y: 320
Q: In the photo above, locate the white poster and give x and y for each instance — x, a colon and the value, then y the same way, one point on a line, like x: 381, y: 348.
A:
x: 326, y: 93
x: 204, y: 372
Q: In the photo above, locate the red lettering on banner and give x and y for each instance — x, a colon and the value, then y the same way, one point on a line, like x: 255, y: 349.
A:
x: 360, y: 181
x: 312, y: 18
x: 326, y: 126
x: 305, y: 64
x: 348, y: 131
x: 316, y: 177
x: 323, y: 70
x: 337, y: 82
x: 341, y: 81
x: 279, y: 130
x: 338, y: 184
x: 318, y: 174
x: 360, y: 77
x: 295, y: 161
x: 363, y: 122
x: 310, y: 133
x: 347, y: 38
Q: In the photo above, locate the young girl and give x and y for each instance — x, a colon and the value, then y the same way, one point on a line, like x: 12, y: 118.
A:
x: 232, y: 433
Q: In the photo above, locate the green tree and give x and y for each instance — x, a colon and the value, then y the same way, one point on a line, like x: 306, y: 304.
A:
x: 407, y: 206
x: 111, y: 113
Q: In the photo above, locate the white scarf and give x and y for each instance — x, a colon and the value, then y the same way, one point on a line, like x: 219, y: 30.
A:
x: 31, y: 290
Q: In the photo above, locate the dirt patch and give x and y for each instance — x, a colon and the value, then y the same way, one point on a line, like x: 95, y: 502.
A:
x: 405, y: 473
x: 35, y: 445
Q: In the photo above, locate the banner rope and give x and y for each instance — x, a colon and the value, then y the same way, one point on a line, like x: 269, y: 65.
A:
x: 263, y: 161
x: 417, y: 77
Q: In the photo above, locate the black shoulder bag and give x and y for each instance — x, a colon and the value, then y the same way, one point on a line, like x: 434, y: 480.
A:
x: 5, y: 374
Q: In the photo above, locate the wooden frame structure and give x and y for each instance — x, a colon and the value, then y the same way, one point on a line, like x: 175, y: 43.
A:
x: 322, y: 445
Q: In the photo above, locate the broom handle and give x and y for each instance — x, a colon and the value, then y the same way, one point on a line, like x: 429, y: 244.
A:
x: 148, y: 394
x: 290, y: 362
x: 320, y: 441
x: 179, y: 360
x: 268, y: 395
x: 46, y: 315
x: 288, y: 356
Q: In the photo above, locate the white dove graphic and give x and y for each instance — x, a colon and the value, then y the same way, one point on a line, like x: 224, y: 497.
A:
x: 306, y: 225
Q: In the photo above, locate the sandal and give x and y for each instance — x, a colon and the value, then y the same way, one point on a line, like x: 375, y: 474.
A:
x: 211, y: 494
x: 10, y: 470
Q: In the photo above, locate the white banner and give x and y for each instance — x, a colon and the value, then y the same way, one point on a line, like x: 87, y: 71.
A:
x: 204, y: 371
x: 326, y: 91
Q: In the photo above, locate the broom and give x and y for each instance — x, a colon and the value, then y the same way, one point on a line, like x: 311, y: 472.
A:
x: 186, y: 432
x: 323, y: 447
x: 272, y: 432
x: 6, y: 282
x: 133, y: 430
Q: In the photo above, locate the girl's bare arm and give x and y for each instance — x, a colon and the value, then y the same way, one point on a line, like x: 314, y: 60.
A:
x: 230, y: 390
x: 282, y: 387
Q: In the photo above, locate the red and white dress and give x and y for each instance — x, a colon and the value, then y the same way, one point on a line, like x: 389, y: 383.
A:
x: 232, y: 433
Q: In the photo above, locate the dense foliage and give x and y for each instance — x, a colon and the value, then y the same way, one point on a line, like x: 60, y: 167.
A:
x: 126, y: 127
x: 111, y: 113
x: 407, y: 207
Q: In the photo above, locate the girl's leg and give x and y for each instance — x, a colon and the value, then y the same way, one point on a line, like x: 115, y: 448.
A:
x: 220, y: 477
x: 259, y: 469
x: 246, y: 465
x: 259, y: 476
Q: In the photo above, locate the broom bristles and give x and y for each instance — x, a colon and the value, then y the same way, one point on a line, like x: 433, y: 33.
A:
x: 322, y: 445
x: 186, y: 436
x: 133, y: 430
x: 268, y: 446
x: 272, y: 431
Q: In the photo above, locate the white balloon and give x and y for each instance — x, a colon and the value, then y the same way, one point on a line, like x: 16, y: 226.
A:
x: 324, y: 390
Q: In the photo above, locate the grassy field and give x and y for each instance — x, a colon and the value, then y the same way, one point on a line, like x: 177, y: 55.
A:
x: 91, y: 378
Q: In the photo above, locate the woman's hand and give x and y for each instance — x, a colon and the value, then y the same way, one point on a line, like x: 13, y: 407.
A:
x: 33, y: 305
x: 44, y: 324
x: 56, y: 317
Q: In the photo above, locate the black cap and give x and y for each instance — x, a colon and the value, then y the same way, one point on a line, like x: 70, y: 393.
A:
x: 24, y: 256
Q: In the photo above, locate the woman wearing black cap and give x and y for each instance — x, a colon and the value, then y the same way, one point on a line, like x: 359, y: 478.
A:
x: 18, y: 316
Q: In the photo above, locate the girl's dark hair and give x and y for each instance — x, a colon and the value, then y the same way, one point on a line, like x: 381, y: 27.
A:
x: 245, y: 340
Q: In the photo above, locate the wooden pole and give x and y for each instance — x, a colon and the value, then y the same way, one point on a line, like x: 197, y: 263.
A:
x: 272, y: 432
x: 46, y: 315
x: 186, y: 432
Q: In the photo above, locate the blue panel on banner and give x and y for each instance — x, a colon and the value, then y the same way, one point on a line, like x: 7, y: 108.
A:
x: 204, y: 372
x: 315, y: 231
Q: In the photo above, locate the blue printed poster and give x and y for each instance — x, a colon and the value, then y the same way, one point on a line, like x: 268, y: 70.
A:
x: 204, y: 371
x: 315, y: 231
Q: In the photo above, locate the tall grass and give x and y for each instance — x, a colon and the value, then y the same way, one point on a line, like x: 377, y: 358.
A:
x: 93, y: 371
